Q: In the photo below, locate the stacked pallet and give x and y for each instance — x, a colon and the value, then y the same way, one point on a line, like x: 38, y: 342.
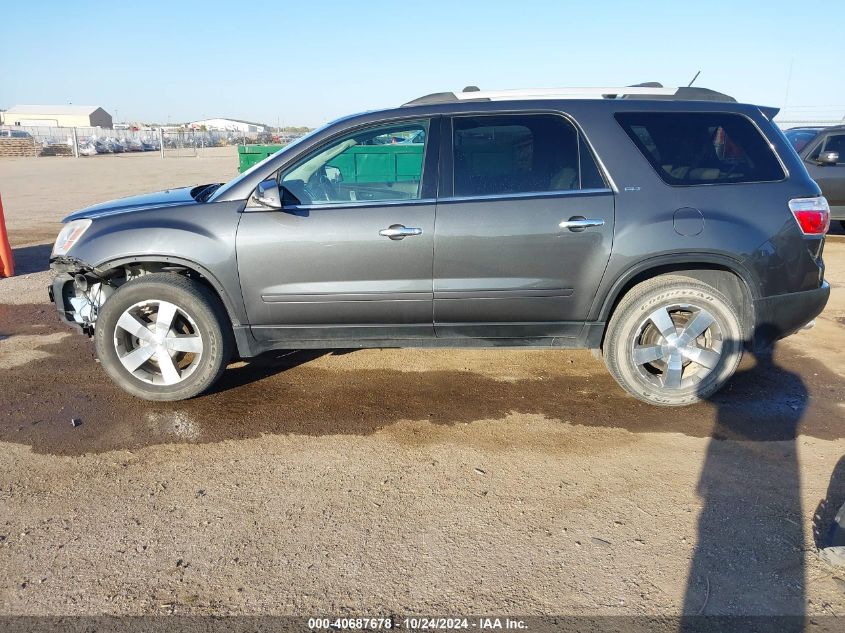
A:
x: 57, y: 149
x: 18, y: 147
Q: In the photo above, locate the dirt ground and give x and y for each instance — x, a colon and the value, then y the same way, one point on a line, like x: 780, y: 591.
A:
x: 438, y: 482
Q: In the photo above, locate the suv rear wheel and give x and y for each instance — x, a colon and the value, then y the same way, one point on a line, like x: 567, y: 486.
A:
x: 163, y: 337
x: 673, y: 341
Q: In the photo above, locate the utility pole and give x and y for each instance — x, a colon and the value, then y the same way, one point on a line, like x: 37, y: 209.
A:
x: 788, y: 82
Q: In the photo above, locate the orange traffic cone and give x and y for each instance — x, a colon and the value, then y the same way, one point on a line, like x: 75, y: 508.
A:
x: 7, y: 263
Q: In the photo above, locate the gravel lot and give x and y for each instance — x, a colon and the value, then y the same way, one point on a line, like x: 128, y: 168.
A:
x: 504, y: 481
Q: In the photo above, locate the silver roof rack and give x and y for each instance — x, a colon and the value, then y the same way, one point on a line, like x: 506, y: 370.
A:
x: 617, y: 92
x: 563, y: 93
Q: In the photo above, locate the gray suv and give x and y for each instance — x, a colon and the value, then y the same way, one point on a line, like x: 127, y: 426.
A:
x: 670, y: 229
x: 823, y: 153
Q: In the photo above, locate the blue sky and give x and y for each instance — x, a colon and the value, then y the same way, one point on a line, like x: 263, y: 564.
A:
x: 303, y: 63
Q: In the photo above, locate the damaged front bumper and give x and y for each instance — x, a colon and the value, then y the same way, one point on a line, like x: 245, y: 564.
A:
x: 57, y: 296
x: 78, y: 292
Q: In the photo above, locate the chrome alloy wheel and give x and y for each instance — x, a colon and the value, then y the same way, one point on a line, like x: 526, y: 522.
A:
x: 158, y: 342
x: 677, y: 346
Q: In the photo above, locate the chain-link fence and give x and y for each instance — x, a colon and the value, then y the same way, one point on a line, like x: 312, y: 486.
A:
x: 37, y: 140
x: 187, y: 142
x: 22, y: 140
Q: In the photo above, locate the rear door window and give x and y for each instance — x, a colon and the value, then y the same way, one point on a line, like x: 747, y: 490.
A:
x: 520, y: 153
x: 700, y: 148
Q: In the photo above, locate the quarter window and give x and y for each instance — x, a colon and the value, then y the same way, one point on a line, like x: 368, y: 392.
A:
x: 377, y: 164
x: 507, y: 154
x: 697, y: 148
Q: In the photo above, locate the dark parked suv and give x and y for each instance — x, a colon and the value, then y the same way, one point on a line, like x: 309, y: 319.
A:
x: 669, y: 229
x: 823, y: 153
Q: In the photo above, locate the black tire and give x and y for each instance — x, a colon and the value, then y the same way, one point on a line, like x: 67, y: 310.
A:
x: 192, y: 298
x: 682, y: 298
x: 842, y: 224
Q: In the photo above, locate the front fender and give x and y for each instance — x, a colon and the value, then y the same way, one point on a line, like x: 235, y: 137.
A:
x: 199, y: 237
x: 233, y: 303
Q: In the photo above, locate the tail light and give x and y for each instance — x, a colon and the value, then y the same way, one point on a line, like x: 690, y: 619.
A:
x: 812, y: 214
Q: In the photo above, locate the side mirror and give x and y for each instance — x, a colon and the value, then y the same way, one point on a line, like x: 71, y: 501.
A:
x: 828, y: 158
x: 267, y: 194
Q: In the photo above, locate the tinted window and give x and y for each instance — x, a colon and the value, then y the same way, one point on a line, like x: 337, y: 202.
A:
x: 800, y: 138
x: 836, y: 143
x: 379, y: 163
x: 697, y: 148
x: 499, y: 155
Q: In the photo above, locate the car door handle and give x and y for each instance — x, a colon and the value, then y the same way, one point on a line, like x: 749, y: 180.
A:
x: 399, y: 232
x: 578, y: 223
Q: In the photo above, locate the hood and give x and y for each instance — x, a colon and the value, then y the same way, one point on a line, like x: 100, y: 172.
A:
x: 157, y: 200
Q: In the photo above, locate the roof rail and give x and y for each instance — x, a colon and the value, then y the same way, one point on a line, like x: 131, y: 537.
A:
x: 618, y: 92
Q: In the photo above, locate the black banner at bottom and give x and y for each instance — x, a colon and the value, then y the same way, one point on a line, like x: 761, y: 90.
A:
x: 428, y: 624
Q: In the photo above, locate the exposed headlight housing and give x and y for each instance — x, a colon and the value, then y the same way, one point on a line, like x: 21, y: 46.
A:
x: 68, y: 236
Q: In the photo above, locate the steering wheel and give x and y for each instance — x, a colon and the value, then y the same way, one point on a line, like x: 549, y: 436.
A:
x: 327, y: 185
x: 323, y: 189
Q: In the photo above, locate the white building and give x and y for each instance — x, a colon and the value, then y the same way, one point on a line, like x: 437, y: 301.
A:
x: 228, y: 125
x: 56, y: 116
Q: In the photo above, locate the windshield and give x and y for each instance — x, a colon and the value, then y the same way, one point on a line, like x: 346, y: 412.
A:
x: 800, y: 138
x: 222, y: 190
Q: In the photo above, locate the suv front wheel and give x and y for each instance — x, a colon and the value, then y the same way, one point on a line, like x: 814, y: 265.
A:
x: 163, y: 336
x: 673, y: 341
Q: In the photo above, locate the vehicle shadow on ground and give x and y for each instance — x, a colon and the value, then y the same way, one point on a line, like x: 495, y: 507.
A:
x: 823, y: 519
x: 32, y: 259
x: 268, y: 365
x: 287, y: 393
x: 749, y: 557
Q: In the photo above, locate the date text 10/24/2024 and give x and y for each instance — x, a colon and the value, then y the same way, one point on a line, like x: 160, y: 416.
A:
x: 417, y: 623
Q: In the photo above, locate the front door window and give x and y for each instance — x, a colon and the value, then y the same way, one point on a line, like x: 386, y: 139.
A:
x: 383, y: 163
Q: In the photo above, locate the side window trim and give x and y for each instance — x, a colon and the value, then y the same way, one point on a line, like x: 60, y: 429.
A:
x: 361, y: 204
x: 431, y: 158
x: 578, y: 154
x: 584, y: 144
x: 565, y: 193
x: 446, y: 178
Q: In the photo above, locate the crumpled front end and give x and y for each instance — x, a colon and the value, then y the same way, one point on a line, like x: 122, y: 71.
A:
x: 78, y: 292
